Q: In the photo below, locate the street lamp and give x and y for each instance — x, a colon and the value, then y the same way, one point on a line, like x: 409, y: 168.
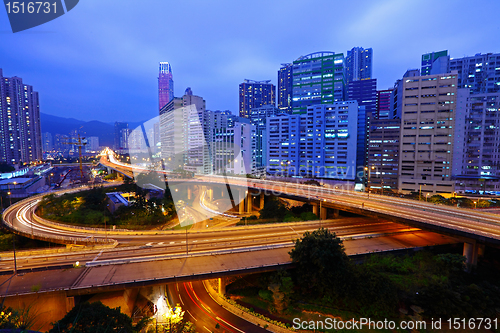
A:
x: 426, y: 195
x: 420, y: 192
x: 475, y: 204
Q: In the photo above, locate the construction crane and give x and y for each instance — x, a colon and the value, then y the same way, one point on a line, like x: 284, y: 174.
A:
x: 79, y: 143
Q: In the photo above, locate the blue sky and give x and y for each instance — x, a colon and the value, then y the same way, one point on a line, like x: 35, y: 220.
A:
x: 100, y: 60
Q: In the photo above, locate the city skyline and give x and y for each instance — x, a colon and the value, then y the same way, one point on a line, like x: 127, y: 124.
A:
x: 82, y: 57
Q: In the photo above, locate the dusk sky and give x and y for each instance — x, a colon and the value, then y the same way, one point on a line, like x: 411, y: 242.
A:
x: 100, y: 60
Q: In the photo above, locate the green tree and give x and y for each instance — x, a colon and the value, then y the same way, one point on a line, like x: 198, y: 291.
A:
x: 273, y: 209
x: 95, y: 318
x: 321, y: 263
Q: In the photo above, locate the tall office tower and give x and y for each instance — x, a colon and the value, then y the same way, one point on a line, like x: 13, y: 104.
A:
x: 397, y: 93
x: 426, y: 141
x: 383, y: 104
x: 254, y: 94
x: 47, y: 142
x: 232, y: 148
x: 318, y: 78
x: 120, y: 131
x: 319, y: 143
x: 258, y: 119
x: 365, y: 93
x: 285, y: 88
x: 20, y: 133
x: 165, y: 84
x: 92, y: 144
x: 359, y: 64
x: 184, y: 139
x: 383, y: 154
x: 479, y: 73
x: 435, y: 63
x: 476, y: 158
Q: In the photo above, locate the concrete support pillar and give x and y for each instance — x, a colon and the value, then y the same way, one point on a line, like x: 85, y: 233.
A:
x: 471, y: 254
x: 222, y: 286
x: 241, y: 205
x: 189, y: 193
x: 110, y: 171
x: 249, y: 202
x: 336, y: 213
x: 315, y: 209
x: 323, y: 213
x: 261, y: 206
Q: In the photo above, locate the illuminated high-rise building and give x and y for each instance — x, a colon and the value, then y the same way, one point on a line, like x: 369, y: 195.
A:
x: 20, y: 134
x: 254, y: 94
x: 318, y: 78
x: 285, y: 78
x: 359, y: 64
x: 165, y: 84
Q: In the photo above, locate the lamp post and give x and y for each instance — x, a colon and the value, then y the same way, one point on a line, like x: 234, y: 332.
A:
x: 475, y: 204
x: 426, y: 195
x: 420, y: 193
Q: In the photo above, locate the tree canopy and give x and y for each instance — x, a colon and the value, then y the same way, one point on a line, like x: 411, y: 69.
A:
x: 95, y: 318
x: 321, y: 263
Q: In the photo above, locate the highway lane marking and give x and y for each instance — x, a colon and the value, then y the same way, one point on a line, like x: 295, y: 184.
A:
x: 181, y: 299
x: 177, y: 285
x: 230, y: 324
x: 191, y: 315
x: 160, y: 243
x: 294, y: 231
x: 149, y: 244
x: 207, y: 329
x: 172, y: 242
x: 97, y: 256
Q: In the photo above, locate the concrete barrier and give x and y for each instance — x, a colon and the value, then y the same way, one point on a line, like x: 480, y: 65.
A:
x: 222, y: 301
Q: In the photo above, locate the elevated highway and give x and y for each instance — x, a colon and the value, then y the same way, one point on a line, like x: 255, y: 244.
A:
x: 472, y: 224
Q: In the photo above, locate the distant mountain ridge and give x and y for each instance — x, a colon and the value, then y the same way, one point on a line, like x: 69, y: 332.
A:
x: 60, y: 125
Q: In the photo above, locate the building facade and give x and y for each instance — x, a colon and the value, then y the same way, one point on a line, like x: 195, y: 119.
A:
x: 232, y: 149
x: 479, y: 73
x: 435, y: 63
x: 382, y: 167
x: 258, y: 119
x: 383, y: 109
x: 285, y: 88
x: 476, y: 156
x: 20, y: 133
x: 426, y: 141
x: 320, y: 143
x: 359, y: 64
x: 318, y: 78
x: 254, y: 94
x: 121, y: 135
x: 183, y: 135
x: 165, y: 84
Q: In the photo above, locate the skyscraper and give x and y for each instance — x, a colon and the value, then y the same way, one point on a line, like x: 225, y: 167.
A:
x: 324, y: 147
x: 165, y: 84
x: 285, y: 78
x: 365, y: 93
x: 427, y: 130
x: 359, y: 64
x: 121, y: 135
x: 254, y: 94
x: 383, y: 104
x: 318, y: 78
x: 476, y: 162
x: 258, y: 119
x: 435, y: 63
x: 20, y: 133
x: 479, y: 73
